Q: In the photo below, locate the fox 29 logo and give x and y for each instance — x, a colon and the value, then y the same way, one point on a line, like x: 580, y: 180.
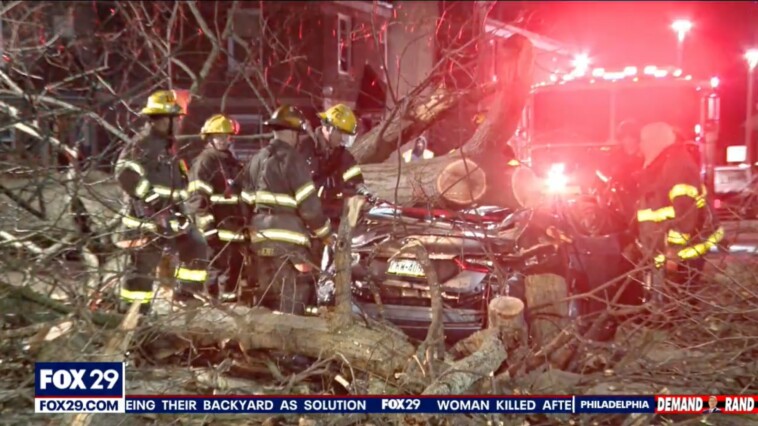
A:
x: 68, y: 387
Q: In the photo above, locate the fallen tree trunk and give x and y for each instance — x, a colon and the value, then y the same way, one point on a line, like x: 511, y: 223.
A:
x: 370, y: 349
x: 479, y: 171
x: 411, y: 118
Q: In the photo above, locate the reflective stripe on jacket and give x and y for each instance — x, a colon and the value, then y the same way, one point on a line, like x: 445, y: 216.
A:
x: 673, y: 209
x: 276, y: 183
x: 215, y: 193
x: 148, y: 172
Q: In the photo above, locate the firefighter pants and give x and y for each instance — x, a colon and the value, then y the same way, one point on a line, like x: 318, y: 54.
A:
x: 226, y: 266
x: 191, y: 274
x: 283, y: 287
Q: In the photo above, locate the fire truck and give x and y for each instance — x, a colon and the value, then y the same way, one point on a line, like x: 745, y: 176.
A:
x: 568, y: 128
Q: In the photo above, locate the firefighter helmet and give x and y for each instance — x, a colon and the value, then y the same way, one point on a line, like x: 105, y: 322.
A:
x: 341, y: 117
x: 287, y: 118
x: 220, y: 124
x: 162, y: 102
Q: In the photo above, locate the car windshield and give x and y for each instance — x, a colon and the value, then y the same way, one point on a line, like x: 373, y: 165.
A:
x: 584, y: 115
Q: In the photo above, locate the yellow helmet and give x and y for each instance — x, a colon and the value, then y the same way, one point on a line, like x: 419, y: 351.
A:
x: 341, y: 117
x: 220, y: 124
x: 162, y: 102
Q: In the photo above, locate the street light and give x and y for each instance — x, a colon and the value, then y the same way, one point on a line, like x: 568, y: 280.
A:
x: 751, y: 56
x: 682, y: 27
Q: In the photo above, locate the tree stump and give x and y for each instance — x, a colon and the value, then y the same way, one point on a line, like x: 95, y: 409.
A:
x: 545, y: 296
x: 506, y: 316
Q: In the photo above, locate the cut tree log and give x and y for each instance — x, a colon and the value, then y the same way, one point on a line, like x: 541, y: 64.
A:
x: 371, y: 349
x: 478, y: 173
x: 506, y: 316
x: 465, y: 372
x: 545, y: 296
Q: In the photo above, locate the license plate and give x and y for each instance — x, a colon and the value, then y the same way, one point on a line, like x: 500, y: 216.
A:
x: 408, y: 268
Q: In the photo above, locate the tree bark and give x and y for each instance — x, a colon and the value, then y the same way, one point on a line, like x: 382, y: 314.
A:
x: 412, y: 116
x: 548, y: 311
x: 343, y: 262
x: 463, y: 373
x: 478, y: 172
x: 370, y: 349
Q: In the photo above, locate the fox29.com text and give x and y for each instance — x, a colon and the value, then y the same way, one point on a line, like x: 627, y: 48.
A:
x: 99, y: 387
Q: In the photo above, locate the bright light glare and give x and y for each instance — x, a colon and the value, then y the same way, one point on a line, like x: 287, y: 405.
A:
x: 581, y: 63
x: 681, y: 26
x: 752, y: 58
x: 556, y: 180
x: 598, y: 72
x: 630, y: 71
x: 715, y: 82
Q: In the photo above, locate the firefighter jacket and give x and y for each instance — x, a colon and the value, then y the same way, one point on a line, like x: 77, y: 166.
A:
x: 214, y: 194
x: 673, y: 211
x: 335, y: 172
x: 149, y: 173
x: 286, y: 210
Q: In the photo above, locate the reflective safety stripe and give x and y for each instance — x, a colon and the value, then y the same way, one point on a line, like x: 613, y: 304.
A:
x: 321, y: 232
x: 134, y: 223
x: 166, y: 192
x: 676, y: 237
x: 281, y: 235
x: 351, y: 173
x: 694, y: 251
x: 650, y: 215
x: 700, y: 249
x: 210, y: 232
x: 204, y: 220
x: 277, y: 199
x: 225, y: 235
x: 248, y: 197
x: 177, y: 226
x: 196, y: 275
x: 132, y: 165
x: 198, y: 185
x: 683, y: 190
x: 143, y: 187
x: 222, y: 199
x: 136, y: 296
x: 304, y: 192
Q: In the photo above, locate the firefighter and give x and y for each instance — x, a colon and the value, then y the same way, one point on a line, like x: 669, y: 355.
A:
x: 287, y: 213
x: 676, y: 224
x: 335, y: 172
x: 149, y: 173
x: 215, y: 204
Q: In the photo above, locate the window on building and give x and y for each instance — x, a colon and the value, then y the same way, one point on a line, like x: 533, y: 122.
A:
x: 246, y: 25
x: 344, y: 44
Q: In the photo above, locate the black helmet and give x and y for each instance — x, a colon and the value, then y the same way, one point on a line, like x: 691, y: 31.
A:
x: 286, y: 117
x: 628, y: 128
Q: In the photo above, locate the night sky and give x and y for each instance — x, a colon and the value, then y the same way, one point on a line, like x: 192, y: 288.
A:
x: 616, y: 34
